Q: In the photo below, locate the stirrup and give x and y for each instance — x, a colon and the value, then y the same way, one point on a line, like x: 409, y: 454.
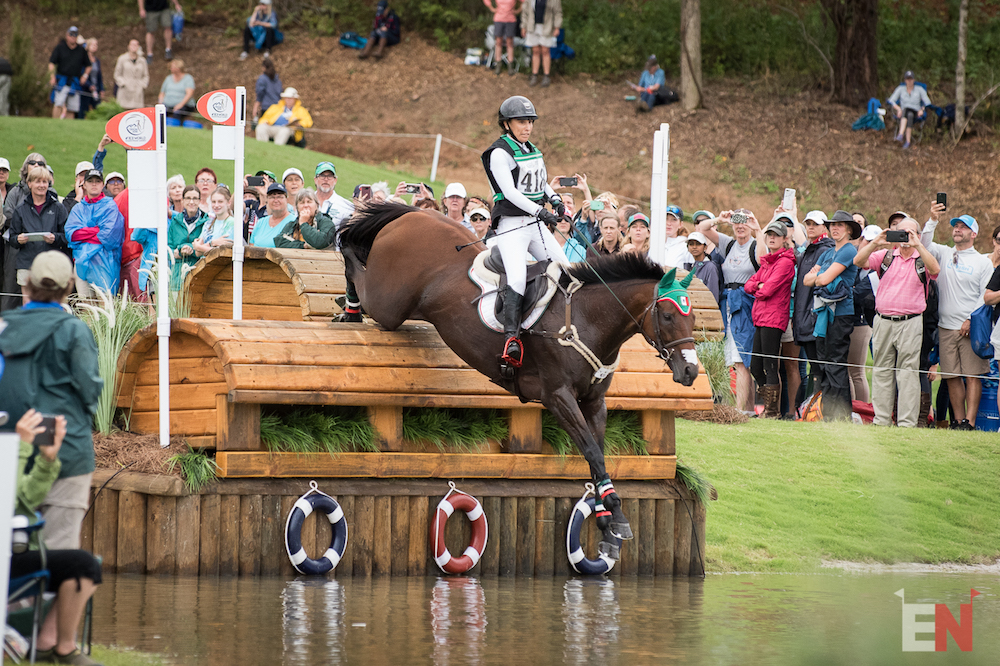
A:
x: 518, y: 358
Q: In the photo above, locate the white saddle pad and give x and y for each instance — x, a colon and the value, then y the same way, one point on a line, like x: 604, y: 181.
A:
x: 488, y: 282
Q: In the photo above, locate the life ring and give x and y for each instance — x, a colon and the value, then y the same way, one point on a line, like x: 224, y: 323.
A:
x: 456, y: 500
x: 318, y: 501
x: 574, y: 550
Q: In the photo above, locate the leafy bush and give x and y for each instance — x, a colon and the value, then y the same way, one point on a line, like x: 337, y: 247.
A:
x: 105, y: 110
x: 27, y: 90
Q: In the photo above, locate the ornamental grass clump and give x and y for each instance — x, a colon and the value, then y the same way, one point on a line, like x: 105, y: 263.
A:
x: 198, y: 469
x: 712, y: 354
x: 318, y: 430
x: 622, y: 435
x: 464, y: 429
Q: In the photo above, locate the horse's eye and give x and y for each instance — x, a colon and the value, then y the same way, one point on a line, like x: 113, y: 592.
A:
x: 668, y: 318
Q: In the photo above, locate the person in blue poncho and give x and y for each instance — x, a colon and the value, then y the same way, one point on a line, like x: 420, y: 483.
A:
x: 95, y: 230
x: 261, y: 30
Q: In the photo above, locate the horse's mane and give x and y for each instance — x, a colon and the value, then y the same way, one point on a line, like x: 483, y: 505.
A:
x: 358, y: 233
x: 617, y: 268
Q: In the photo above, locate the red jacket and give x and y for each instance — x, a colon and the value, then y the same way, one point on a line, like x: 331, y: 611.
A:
x: 773, y: 297
x: 130, y: 249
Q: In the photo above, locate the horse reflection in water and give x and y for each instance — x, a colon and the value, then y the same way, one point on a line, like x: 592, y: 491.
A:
x: 311, y: 607
x: 591, y: 614
x: 458, y: 621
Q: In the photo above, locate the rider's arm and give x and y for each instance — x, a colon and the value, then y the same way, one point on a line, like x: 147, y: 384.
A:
x: 501, y: 166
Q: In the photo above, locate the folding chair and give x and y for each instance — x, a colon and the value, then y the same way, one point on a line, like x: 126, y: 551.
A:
x: 520, y: 57
x: 25, y: 586
x: 918, y: 126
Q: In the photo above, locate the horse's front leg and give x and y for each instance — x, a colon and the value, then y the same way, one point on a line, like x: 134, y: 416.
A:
x: 610, y: 518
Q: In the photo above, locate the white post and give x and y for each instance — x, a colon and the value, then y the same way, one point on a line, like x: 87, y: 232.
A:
x: 657, y: 199
x: 240, y: 139
x: 437, y: 154
x: 163, y: 272
x: 9, y: 448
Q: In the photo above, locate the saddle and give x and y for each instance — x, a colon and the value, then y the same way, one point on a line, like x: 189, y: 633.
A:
x: 488, y: 272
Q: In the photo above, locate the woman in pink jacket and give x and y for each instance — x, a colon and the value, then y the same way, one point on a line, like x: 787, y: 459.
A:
x: 771, y: 286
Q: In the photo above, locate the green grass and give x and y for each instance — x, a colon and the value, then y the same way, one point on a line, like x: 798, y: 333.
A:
x: 792, y: 494
x: 317, y: 430
x: 462, y: 429
x: 116, y: 656
x: 198, y: 469
x: 66, y: 142
x: 622, y: 435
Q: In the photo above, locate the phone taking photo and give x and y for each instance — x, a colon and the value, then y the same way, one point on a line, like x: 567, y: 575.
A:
x: 942, y: 198
x: 897, y: 236
x: 412, y: 188
x: 739, y: 218
x: 255, y: 181
x: 47, y: 438
x: 788, y: 201
x: 568, y: 182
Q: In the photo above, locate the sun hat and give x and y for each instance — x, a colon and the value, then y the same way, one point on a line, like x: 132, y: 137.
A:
x: 776, y: 228
x: 697, y: 237
x: 968, y: 221
x: 323, y: 167
x: 871, y: 232
x: 455, y: 190
x: 276, y: 187
x: 291, y: 171
x: 848, y: 219
x: 290, y: 92
x: 53, y: 266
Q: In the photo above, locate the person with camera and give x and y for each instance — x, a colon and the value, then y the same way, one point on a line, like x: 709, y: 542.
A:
x: 965, y: 275
x: 51, y: 366
x: 904, y: 267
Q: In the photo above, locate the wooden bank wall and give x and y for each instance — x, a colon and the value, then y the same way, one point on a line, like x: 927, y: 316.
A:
x: 149, y: 524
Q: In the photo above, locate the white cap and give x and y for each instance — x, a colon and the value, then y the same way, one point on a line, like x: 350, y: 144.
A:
x: 4, y: 164
x: 481, y: 211
x: 784, y: 215
x: 817, y: 216
x: 455, y: 190
x: 83, y: 166
x: 697, y: 236
x: 290, y: 92
x: 871, y: 232
x: 289, y: 172
x: 114, y: 174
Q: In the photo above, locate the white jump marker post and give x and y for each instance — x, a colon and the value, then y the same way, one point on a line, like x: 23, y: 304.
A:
x: 228, y: 110
x: 658, y: 194
x: 9, y: 449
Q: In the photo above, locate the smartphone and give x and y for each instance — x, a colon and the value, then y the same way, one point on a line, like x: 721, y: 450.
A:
x: 739, y: 218
x: 255, y: 181
x: 413, y: 188
x: 897, y: 236
x: 942, y: 198
x: 788, y: 201
x: 365, y: 192
x: 47, y: 438
x: 568, y: 182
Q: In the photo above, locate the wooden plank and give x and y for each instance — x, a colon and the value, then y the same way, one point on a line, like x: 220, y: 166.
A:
x: 229, y: 535
x: 437, y: 465
x: 320, y: 264
x: 254, y: 293
x: 161, y: 534
x: 325, y: 353
x: 106, y: 528
x: 645, y: 539
x: 432, y: 502
x: 364, y: 519
x: 400, y: 545
x: 272, y: 535
x: 238, y: 426
x: 186, y: 422
x: 526, y: 536
x: 524, y: 433
x: 489, y: 564
x: 682, y: 538
x: 87, y: 526
x: 630, y: 549
x: 664, y: 537
x: 287, y: 502
x: 182, y: 396
x: 250, y: 312
x: 150, y: 484
x: 209, y: 537
x: 388, y: 424
x: 188, y: 534
x: 131, y: 532
x: 182, y: 345
x: 321, y: 305
x: 545, y: 509
x: 200, y: 370
x: 382, y: 537
x: 318, y: 283
x: 417, y: 551
x: 658, y: 431
x: 372, y: 380
x: 251, y: 510
x: 564, y: 507
x: 508, y: 536
x: 698, y: 544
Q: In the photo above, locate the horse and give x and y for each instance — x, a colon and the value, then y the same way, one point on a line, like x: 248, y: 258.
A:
x: 408, y: 263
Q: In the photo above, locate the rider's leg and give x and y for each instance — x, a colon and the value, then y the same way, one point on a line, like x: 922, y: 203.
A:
x: 513, y: 240
x: 544, y: 245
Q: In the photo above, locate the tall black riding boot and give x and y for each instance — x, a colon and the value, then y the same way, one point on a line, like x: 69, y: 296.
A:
x: 513, y: 351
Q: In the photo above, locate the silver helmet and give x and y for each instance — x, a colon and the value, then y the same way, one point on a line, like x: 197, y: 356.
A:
x: 517, y: 108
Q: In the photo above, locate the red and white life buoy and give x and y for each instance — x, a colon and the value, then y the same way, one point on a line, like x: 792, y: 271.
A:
x: 456, y: 500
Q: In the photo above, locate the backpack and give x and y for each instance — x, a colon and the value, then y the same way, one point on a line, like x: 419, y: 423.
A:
x: 720, y: 257
x: 352, y: 40
x: 980, y: 331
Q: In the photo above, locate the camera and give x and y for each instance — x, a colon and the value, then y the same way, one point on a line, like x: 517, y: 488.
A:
x: 739, y: 218
x: 412, y: 189
x: 255, y: 181
x: 568, y: 182
x: 897, y: 236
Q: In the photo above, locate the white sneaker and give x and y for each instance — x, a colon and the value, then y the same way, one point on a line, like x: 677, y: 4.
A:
x: 243, y: 56
x: 267, y: 54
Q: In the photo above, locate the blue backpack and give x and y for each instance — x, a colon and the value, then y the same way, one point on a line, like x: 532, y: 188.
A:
x: 980, y: 331
x: 352, y: 40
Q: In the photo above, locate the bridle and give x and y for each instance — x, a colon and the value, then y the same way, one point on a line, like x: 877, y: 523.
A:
x: 663, y: 350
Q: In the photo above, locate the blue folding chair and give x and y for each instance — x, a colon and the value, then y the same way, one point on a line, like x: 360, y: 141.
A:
x: 33, y: 584
x: 918, y: 126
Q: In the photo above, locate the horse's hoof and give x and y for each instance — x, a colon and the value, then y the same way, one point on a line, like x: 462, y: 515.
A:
x: 621, y: 531
x: 608, y: 549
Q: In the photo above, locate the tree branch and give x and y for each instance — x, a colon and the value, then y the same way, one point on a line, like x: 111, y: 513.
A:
x: 811, y: 42
x: 968, y: 118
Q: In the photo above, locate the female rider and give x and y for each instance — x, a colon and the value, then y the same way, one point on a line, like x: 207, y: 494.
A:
x: 520, y: 186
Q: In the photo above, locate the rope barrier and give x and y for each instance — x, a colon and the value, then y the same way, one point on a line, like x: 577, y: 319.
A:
x: 317, y: 130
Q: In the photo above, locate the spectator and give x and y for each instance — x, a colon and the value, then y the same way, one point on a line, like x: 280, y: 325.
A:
x: 206, y: 181
x: 6, y: 74
x: 177, y: 91
x: 267, y: 91
x: 91, y: 88
x: 835, y: 272
x: 43, y: 218
x: 131, y: 77
x: 115, y: 184
x: 380, y: 192
x: 586, y: 220
x: 158, y: 15
x: 504, y: 30
x: 624, y: 213
x: 331, y: 204
x: 610, y: 241
x: 73, y: 574
x: 311, y: 230
x: 453, y: 203
x: 994, y: 255
x: 277, y: 217
x: 427, y: 203
x: 218, y: 230
x: 675, y: 251
x: 69, y: 66
x: 965, y: 275
x: 568, y: 241
x: 771, y: 287
x: 147, y: 239
x: 637, y: 234
x: 268, y: 177
x: 261, y: 30
x: 803, y: 315
x: 184, y: 229
x: 251, y: 207
x: 95, y: 230
x: 541, y: 21
x: 132, y: 252
x: 292, y: 180
x: 76, y: 194
x: 903, y: 270
x: 51, y: 366
x: 704, y: 268
x: 653, y: 88
x: 4, y: 187
x: 384, y: 33
x: 480, y: 220
x: 12, y: 199
x: 474, y: 202
x: 864, y: 294
x: 908, y: 101
x: 175, y: 193
x: 284, y: 120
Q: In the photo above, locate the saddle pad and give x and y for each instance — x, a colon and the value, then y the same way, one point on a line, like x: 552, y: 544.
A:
x: 487, y: 281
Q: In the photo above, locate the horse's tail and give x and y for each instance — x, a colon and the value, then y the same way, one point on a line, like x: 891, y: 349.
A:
x: 357, y: 234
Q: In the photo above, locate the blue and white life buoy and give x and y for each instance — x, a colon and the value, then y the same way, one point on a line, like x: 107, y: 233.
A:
x: 574, y: 550
x: 318, y: 501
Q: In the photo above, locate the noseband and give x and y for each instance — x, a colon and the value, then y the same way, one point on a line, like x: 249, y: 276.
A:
x: 663, y: 350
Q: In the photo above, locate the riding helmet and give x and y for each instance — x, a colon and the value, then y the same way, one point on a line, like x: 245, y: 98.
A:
x: 517, y: 107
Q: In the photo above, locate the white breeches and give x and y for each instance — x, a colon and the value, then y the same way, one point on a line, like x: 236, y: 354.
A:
x: 517, y: 237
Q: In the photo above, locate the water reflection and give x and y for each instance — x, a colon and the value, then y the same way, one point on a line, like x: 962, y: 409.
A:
x: 590, y: 612
x: 312, y: 608
x: 458, y: 620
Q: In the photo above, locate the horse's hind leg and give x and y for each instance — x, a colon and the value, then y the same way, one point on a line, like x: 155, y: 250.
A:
x: 614, y: 526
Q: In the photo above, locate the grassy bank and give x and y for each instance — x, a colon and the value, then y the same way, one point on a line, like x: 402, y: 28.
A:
x: 793, y: 494
x: 115, y: 656
x: 66, y: 142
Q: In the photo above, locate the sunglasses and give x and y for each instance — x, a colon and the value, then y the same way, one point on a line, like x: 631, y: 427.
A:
x: 477, y: 218
x: 34, y: 163
x: 192, y: 198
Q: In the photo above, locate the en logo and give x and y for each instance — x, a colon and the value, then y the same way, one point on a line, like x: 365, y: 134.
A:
x: 944, y: 623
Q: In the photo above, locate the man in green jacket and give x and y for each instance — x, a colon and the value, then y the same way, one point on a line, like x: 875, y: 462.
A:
x: 51, y: 365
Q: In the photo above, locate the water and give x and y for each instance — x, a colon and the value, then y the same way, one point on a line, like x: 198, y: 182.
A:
x: 832, y: 618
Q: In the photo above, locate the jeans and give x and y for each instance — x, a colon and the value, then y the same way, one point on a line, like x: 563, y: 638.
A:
x: 663, y: 95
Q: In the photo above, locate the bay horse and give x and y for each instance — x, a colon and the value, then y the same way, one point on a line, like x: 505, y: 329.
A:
x: 410, y: 264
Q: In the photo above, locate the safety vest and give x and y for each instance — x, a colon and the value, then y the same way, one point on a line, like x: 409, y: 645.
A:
x: 529, y: 176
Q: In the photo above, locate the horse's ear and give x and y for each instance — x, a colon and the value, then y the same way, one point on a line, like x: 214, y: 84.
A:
x: 686, y: 282
x: 667, y: 280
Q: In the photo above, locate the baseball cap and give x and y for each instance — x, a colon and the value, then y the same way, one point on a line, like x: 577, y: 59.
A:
x: 898, y: 214
x: 871, y: 232
x: 777, y: 228
x: 115, y: 174
x: 83, y: 166
x: 455, y: 190
x: 4, y: 164
x: 786, y: 218
x: 276, y: 187
x: 323, y: 167
x: 53, y: 266
x: 968, y: 221
x: 816, y: 217
x: 94, y: 173
x: 265, y: 172
x: 290, y: 171
x: 676, y: 212
x: 908, y: 74
x: 697, y: 237
x: 638, y: 218
x: 706, y: 214
x: 73, y: 30
x: 479, y: 211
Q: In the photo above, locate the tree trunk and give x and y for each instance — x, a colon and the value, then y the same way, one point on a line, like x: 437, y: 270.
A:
x: 691, y: 54
x: 855, y: 60
x: 963, y: 29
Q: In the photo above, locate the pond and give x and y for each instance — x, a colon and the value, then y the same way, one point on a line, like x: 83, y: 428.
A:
x: 746, y: 619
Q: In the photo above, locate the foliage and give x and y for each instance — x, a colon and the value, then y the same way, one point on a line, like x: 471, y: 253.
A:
x: 27, y: 90
x: 198, y: 469
x: 694, y: 481
x: 113, y: 325
x: 467, y: 429
x: 712, y: 354
x: 105, y: 111
x: 622, y: 435
x: 330, y: 430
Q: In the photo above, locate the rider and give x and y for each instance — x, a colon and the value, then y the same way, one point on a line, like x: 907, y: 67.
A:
x: 520, y: 186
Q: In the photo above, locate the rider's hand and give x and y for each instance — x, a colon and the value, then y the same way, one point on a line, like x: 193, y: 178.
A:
x: 559, y: 207
x: 548, y: 217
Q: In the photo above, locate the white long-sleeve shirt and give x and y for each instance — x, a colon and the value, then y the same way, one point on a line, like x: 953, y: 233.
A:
x: 502, y: 166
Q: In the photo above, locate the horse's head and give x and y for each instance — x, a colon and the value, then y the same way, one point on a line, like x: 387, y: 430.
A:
x: 669, y: 326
